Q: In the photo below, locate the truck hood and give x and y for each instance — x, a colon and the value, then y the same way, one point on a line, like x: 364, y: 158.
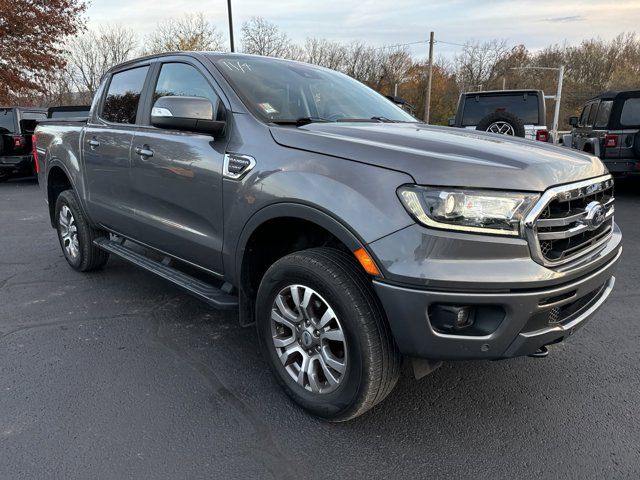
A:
x: 446, y: 156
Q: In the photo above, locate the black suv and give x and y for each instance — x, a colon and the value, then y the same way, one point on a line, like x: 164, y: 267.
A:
x: 609, y: 127
x: 16, y: 127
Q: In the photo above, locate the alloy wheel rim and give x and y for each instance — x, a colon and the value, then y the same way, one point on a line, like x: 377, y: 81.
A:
x: 69, y: 232
x: 503, y: 128
x: 308, y: 339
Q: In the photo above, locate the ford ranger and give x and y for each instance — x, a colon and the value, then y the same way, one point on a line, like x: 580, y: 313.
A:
x: 353, y: 236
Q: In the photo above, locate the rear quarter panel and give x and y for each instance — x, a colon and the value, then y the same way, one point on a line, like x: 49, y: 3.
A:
x: 58, y: 146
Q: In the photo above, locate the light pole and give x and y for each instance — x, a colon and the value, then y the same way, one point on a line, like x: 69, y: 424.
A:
x: 230, y: 25
x: 557, y: 97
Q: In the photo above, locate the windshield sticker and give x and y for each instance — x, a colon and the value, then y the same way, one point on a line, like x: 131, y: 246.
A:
x: 267, y: 108
x: 237, y: 66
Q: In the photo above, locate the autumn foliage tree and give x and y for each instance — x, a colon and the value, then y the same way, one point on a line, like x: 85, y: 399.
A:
x: 31, y: 35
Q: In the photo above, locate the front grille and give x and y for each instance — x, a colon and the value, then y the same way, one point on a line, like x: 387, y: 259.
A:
x: 571, y: 221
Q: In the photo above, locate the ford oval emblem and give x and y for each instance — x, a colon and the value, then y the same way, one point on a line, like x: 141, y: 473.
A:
x: 596, y: 215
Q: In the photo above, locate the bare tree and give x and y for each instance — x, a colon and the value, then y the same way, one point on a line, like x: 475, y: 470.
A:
x: 260, y: 37
x: 395, y: 64
x: 92, y: 54
x: 477, y: 62
x: 191, y: 32
x: 362, y: 62
x: 325, y: 53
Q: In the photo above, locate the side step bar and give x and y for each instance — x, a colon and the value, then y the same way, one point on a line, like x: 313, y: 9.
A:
x: 209, y: 293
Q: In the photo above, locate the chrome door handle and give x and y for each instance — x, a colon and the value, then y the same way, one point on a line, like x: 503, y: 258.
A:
x: 144, y: 151
x: 93, y: 143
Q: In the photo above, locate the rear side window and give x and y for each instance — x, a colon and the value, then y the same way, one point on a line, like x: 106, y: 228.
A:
x: 592, y: 114
x: 523, y: 106
x: 7, y: 121
x: 630, y: 116
x: 186, y: 81
x: 123, y: 96
x: 604, y: 112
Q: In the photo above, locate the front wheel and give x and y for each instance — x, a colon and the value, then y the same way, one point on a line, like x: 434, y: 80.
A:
x: 325, y: 334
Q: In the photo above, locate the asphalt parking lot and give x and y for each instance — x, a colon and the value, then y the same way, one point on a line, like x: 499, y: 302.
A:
x: 117, y: 374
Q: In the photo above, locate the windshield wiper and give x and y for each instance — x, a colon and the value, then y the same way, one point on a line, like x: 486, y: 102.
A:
x: 370, y: 119
x: 301, y: 121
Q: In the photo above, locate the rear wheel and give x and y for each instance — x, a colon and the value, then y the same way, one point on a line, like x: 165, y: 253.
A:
x: 76, y: 235
x: 325, y: 334
x: 4, y: 176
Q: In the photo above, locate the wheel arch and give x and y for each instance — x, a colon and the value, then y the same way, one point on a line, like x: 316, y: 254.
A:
x: 315, y: 228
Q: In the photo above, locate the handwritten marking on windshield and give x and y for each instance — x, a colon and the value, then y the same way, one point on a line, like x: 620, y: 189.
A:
x: 237, y: 66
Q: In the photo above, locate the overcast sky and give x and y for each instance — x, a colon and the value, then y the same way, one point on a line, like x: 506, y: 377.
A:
x: 382, y: 22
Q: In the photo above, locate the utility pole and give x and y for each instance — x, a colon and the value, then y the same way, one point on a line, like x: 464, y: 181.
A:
x: 230, y: 25
x: 556, y: 112
x: 427, y: 102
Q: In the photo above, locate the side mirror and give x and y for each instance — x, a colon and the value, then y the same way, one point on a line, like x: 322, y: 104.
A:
x: 452, y: 122
x: 191, y: 114
x: 573, y: 121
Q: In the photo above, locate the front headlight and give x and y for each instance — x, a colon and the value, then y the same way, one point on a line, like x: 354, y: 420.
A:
x: 478, y: 211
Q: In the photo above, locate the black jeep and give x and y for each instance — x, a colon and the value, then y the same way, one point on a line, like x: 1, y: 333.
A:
x: 609, y: 127
x: 16, y: 127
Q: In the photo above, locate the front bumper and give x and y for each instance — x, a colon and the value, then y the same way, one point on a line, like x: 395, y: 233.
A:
x: 523, y: 329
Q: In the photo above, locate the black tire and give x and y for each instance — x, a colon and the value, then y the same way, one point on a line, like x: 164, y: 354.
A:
x: 374, y: 361
x: 4, y: 176
x: 516, y: 124
x: 88, y: 257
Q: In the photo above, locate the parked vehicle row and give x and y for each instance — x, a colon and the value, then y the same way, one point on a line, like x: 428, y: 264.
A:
x: 17, y: 125
x: 609, y: 127
x: 351, y: 234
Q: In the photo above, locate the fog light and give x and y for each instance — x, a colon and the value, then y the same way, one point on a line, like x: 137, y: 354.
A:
x: 451, y: 317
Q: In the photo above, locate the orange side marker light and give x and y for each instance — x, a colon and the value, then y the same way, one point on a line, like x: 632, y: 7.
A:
x: 367, y: 262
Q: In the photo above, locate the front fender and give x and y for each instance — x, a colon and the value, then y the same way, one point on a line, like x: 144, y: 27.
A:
x: 357, y: 203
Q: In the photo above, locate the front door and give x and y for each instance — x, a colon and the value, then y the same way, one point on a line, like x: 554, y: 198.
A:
x: 106, y: 147
x: 176, y: 177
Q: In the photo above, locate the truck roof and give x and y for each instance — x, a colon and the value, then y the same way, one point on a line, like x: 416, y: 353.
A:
x: 499, y: 92
x: 612, y: 94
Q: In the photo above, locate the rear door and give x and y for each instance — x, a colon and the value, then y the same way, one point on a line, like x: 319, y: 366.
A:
x: 178, y: 188
x: 106, y: 146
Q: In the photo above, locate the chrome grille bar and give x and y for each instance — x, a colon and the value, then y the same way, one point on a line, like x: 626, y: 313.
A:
x: 561, y: 227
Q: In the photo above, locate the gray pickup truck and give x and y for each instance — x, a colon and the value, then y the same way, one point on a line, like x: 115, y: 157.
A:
x: 352, y: 235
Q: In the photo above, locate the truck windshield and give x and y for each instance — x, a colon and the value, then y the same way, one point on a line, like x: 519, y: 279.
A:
x: 7, y: 121
x: 282, y: 91
x: 523, y: 106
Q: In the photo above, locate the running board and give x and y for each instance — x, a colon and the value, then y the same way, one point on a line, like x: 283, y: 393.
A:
x: 212, y: 295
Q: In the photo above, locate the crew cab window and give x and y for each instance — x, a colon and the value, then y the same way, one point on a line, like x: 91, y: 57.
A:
x: 630, y: 116
x: 604, y: 112
x: 181, y: 79
x: 123, y: 96
x: 592, y: 114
